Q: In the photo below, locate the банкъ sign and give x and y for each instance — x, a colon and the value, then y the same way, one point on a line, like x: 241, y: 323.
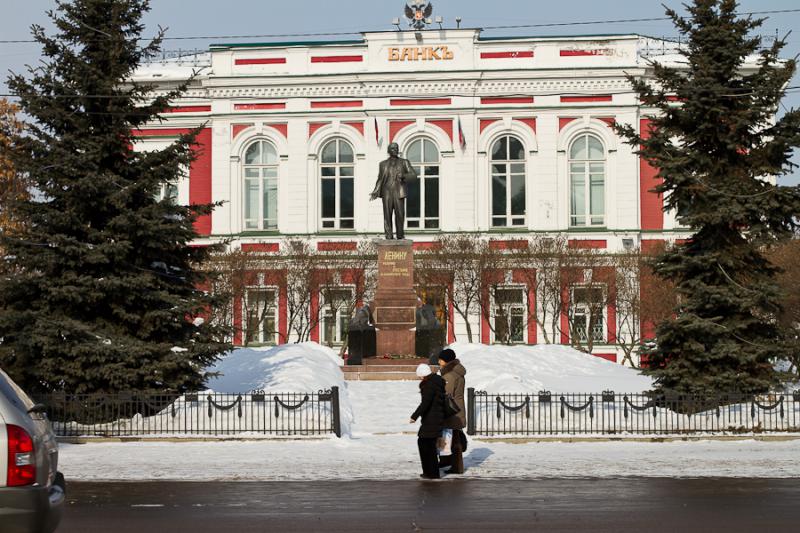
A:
x: 420, y: 53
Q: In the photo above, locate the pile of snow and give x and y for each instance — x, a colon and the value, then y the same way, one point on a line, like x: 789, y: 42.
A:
x: 286, y: 368
x: 518, y: 369
x: 302, y: 368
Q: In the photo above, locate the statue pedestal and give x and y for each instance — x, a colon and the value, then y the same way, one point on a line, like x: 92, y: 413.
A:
x: 395, y: 299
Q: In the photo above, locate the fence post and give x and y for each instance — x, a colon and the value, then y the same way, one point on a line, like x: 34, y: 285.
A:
x: 471, y: 411
x: 337, y: 419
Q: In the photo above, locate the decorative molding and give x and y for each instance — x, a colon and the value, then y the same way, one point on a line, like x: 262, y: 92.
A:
x: 590, y: 86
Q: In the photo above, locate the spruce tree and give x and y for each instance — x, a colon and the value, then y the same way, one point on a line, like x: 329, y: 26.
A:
x: 108, y: 286
x: 717, y: 145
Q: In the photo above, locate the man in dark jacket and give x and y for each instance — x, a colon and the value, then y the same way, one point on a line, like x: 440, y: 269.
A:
x: 453, y: 373
x: 431, y: 409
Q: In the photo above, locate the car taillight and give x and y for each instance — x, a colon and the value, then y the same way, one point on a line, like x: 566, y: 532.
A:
x: 21, y: 457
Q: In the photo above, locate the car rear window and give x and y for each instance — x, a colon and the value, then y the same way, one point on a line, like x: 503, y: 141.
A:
x: 15, y: 395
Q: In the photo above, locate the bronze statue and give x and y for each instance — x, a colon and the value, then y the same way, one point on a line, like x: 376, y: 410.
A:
x: 391, y: 188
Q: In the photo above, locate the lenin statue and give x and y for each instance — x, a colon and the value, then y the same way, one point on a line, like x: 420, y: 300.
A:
x: 391, y: 188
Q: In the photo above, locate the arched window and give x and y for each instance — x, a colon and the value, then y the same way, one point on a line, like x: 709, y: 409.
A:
x: 337, y: 175
x: 422, y: 203
x: 587, y: 175
x: 508, y: 182
x: 261, y: 186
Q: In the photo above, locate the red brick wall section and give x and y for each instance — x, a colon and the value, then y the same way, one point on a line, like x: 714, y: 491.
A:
x: 563, y: 121
x: 336, y: 103
x: 236, y: 129
x: 280, y: 128
x: 346, y: 246
x: 237, y: 321
x: 499, y: 100
x: 314, y: 126
x: 486, y: 122
x: 564, y: 320
x: 314, y: 313
x: 359, y: 126
x: 259, y: 106
x: 507, y: 55
x: 419, y: 101
x: 588, y: 243
x: 189, y: 109
x: 261, y: 61
x: 451, y: 315
x: 337, y: 59
x: 200, y: 179
x: 652, y: 210
x: 420, y: 245
x: 397, y: 125
x: 444, y: 125
x: 508, y: 245
x: 530, y: 122
x: 283, y: 313
x: 607, y: 356
x: 270, y: 247
x: 588, y: 98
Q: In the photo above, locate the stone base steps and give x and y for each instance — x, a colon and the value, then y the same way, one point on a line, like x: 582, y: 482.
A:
x: 384, y: 370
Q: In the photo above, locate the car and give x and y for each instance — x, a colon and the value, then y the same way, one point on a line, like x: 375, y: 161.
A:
x: 32, y: 490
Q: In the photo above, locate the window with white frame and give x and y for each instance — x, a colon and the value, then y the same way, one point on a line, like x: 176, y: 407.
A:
x: 335, y: 316
x: 587, y: 174
x: 261, y: 186
x: 588, y: 313
x: 260, y: 310
x: 337, y: 171
x: 422, y: 202
x: 508, y: 182
x: 168, y: 191
x: 509, y: 315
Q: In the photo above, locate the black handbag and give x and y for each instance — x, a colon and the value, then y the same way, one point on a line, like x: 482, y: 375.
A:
x: 451, y: 408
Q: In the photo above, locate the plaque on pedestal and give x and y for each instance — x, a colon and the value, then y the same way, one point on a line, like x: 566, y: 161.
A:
x: 395, y: 299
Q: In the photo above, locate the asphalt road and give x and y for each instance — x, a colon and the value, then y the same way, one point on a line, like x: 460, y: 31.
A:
x: 637, y: 504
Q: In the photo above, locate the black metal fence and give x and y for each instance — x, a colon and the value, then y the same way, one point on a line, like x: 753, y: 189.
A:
x: 547, y: 413
x: 202, y: 413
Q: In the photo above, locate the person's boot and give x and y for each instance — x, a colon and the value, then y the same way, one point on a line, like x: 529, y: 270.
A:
x: 456, y: 464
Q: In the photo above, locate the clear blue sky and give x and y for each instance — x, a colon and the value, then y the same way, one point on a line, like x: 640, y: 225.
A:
x: 250, y: 17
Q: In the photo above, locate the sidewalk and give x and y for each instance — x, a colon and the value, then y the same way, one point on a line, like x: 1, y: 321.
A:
x: 395, y: 457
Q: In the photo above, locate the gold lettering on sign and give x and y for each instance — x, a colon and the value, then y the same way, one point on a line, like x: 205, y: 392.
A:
x: 395, y: 256
x: 425, y: 53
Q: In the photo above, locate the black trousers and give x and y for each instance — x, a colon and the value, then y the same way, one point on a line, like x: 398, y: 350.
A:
x: 428, y: 456
x: 393, y: 204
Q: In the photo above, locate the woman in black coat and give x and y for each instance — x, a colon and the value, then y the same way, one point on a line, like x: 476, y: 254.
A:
x: 431, y: 409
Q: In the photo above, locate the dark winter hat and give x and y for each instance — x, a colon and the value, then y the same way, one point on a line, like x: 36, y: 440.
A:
x: 447, y: 355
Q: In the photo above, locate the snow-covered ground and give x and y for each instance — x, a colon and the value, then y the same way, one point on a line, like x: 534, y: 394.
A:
x: 530, y: 369
x: 395, y: 457
x: 379, y: 442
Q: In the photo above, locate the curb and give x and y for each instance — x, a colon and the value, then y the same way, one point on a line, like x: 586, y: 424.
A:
x: 679, y: 438
x: 507, y: 440
x: 106, y: 440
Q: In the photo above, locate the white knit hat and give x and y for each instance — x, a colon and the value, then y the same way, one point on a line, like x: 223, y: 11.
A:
x: 423, y: 370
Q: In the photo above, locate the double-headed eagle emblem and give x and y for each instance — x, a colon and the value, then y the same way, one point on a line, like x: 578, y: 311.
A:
x: 419, y: 15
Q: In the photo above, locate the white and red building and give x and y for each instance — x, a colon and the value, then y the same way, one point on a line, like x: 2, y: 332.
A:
x: 512, y: 136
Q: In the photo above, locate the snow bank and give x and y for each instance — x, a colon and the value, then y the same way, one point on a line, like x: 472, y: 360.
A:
x: 516, y: 369
x: 287, y: 368
x: 306, y: 367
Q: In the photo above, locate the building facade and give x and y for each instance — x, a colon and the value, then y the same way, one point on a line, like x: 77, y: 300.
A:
x: 512, y: 139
